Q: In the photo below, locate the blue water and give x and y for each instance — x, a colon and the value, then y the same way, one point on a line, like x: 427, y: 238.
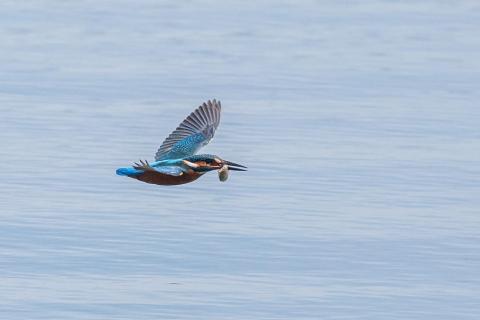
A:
x: 359, y: 122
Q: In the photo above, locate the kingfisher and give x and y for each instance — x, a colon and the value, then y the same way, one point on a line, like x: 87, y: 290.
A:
x: 176, y: 161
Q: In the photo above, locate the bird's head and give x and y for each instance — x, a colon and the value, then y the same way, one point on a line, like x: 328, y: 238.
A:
x: 204, y: 163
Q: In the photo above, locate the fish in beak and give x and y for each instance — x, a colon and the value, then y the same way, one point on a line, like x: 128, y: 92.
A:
x: 228, y: 165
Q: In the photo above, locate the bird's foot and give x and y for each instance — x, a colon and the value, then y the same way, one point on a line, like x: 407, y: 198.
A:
x: 143, y: 165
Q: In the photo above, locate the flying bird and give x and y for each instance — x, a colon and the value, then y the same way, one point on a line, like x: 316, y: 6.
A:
x: 176, y: 161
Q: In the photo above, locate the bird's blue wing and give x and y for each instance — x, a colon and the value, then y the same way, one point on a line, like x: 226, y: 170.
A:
x: 136, y: 170
x: 193, y: 133
x: 170, y: 170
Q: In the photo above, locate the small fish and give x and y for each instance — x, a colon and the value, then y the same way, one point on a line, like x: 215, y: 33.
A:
x: 223, y: 173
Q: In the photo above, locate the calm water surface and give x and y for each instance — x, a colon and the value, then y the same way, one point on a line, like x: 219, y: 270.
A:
x: 359, y: 122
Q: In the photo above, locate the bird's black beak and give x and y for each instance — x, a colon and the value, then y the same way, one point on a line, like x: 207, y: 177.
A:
x: 234, y: 166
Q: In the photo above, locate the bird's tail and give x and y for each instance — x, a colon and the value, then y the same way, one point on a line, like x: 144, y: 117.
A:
x: 128, y: 172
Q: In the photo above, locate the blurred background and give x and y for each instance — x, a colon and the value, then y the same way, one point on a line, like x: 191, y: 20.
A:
x: 358, y: 120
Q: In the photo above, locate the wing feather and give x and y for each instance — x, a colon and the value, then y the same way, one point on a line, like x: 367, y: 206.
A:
x: 169, y: 170
x: 197, y: 118
x: 204, y: 115
x: 193, y: 133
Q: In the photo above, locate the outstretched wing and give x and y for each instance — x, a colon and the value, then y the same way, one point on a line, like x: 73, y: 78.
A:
x: 193, y: 133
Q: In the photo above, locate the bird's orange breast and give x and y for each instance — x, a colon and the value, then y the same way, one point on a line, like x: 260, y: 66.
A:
x: 155, y: 177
